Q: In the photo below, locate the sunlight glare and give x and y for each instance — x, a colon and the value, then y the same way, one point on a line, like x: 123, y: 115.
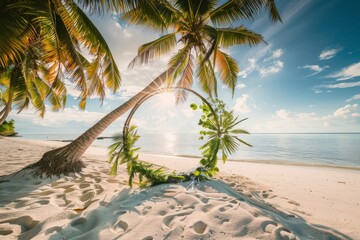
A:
x: 165, y: 102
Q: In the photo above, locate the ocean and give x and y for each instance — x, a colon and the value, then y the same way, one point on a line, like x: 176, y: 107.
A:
x: 338, y: 149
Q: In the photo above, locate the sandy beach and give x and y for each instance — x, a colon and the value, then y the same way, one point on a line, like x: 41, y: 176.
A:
x: 246, y: 201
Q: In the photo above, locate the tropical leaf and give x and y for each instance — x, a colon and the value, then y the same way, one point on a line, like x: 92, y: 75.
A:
x: 228, y: 69
x: 228, y: 37
x: 233, y: 10
x: 186, y: 79
x: 154, y: 49
x: 206, y: 77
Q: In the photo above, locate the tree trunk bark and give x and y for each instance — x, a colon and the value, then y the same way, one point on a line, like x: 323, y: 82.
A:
x: 5, y: 112
x: 66, y: 160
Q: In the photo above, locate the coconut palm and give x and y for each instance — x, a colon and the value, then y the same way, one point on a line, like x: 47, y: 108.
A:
x: 21, y: 88
x: 202, y: 30
x: 44, y: 42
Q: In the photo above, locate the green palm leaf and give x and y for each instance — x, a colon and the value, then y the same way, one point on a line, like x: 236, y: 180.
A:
x: 154, y: 49
x: 228, y: 69
x: 234, y: 10
x: 228, y: 37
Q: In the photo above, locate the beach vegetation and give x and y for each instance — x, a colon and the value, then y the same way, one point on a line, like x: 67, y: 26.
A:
x: 7, y: 128
x: 201, y: 31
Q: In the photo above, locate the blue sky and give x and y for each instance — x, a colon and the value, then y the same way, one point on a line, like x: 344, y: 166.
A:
x: 306, y: 79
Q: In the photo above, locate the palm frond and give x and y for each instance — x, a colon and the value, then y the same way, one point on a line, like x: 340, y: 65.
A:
x: 186, y: 80
x: 112, y: 6
x: 15, y: 33
x: 228, y: 69
x: 155, y: 49
x: 149, y: 13
x: 234, y: 10
x: 92, y: 39
x: 228, y: 37
x: 206, y: 77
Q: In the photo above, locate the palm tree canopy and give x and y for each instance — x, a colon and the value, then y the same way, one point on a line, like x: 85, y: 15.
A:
x: 201, y: 29
x: 57, y: 40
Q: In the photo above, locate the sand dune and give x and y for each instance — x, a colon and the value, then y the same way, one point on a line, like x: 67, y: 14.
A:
x: 93, y: 205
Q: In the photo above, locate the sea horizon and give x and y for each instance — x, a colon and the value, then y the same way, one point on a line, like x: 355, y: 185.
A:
x: 324, y: 149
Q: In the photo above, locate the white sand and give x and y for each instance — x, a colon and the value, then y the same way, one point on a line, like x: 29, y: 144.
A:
x: 92, y: 205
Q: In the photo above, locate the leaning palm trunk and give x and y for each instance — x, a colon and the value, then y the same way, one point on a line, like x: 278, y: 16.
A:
x: 67, y: 159
x: 5, y: 112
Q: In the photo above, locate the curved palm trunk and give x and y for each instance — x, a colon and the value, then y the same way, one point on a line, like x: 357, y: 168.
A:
x: 66, y: 159
x: 5, y: 112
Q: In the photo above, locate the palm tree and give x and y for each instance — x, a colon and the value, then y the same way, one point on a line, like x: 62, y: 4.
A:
x: 195, y: 26
x: 43, y: 42
x: 20, y: 88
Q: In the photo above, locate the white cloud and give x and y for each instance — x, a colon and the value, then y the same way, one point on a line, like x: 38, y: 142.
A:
x: 315, y: 68
x: 275, y: 54
x: 346, y: 111
x: 247, y: 71
x: 328, y: 53
x: 240, y: 86
x: 286, y: 115
x: 56, y: 119
x: 272, y: 69
x: 342, y: 119
x: 241, y: 104
x: 264, y: 55
x: 348, y: 72
x: 342, y: 85
x: 353, y: 98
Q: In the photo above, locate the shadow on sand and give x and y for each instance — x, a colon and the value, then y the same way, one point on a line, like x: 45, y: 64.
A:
x: 115, y: 219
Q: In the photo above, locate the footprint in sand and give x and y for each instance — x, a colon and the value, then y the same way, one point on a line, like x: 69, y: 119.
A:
x: 84, y: 185
x: 168, y: 220
x: 162, y: 213
x: 148, y: 238
x: 99, y: 189
x: 264, y: 194
x: 38, y: 204
x: 268, y: 226
x: 207, y: 208
x: 87, y: 197
x: 284, y: 233
x: 199, y: 227
x: 68, y: 190
x: 226, y: 208
x: 222, y: 220
x: 122, y: 225
x: 26, y: 222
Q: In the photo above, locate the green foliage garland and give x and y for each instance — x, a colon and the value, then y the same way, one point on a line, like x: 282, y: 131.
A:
x: 221, y: 134
x: 218, y: 127
x: 124, y: 151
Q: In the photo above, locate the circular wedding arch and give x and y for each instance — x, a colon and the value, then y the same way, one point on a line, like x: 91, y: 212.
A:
x: 148, y: 169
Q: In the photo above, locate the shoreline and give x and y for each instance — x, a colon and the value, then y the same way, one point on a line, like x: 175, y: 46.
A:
x: 324, y: 196
x: 264, y: 161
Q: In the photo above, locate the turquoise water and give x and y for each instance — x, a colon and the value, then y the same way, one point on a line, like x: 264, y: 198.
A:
x: 329, y: 149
